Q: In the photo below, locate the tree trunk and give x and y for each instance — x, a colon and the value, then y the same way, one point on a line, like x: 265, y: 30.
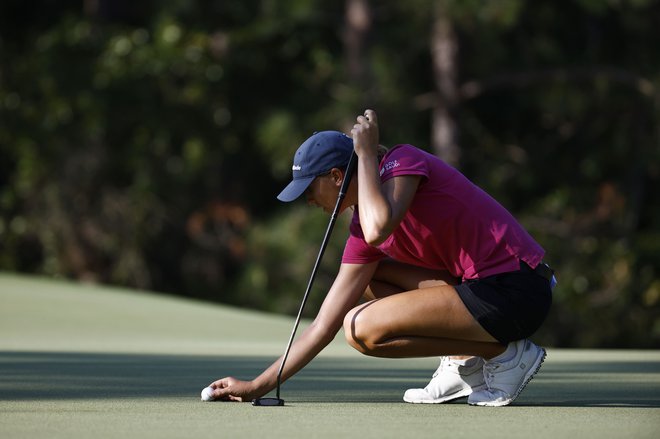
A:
x: 444, y: 50
x: 358, y: 25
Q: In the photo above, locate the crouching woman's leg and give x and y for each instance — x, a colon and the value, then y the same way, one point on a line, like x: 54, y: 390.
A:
x: 419, y: 323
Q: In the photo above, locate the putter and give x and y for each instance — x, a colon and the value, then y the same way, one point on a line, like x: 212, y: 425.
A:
x: 350, y: 169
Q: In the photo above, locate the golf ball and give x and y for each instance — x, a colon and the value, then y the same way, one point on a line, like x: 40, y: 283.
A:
x: 207, y: 394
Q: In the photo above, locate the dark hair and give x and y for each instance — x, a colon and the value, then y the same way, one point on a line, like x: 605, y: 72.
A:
x: 382, y: 150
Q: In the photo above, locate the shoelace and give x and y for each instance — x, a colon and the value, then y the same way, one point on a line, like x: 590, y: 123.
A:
x: 489, y: 373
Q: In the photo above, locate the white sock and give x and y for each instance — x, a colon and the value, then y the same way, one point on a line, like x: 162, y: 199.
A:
x: 468, y: 362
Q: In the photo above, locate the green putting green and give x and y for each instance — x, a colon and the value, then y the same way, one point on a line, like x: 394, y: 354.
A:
x: 80, y: 361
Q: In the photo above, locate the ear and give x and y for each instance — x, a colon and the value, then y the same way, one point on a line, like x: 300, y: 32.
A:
x: 337, y: 176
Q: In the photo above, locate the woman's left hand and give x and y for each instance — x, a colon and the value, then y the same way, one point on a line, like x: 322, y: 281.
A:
x: 365, y: 134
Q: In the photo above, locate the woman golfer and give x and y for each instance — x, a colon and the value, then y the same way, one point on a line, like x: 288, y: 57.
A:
x: 445, y: 271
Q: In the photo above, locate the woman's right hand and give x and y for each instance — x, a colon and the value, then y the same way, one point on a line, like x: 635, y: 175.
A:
x: 365, y: 134
x: 231, y: 389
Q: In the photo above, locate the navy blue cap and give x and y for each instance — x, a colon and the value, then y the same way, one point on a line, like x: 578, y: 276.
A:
x: 320, y: 153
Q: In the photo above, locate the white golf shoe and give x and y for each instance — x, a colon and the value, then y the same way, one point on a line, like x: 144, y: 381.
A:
x: 453, y: 379
x: 506, y: 379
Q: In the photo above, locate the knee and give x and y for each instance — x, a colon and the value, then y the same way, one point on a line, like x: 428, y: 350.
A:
x: 349, y: 326
x: 357, y: 332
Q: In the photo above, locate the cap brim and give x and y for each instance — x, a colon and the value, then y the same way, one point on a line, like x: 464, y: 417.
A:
x: 295, y: 189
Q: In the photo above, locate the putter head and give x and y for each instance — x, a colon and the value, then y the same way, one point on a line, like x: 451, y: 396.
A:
x: 267, y: 402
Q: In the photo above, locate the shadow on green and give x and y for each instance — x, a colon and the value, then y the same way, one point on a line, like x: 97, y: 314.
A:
x: 67, y: 376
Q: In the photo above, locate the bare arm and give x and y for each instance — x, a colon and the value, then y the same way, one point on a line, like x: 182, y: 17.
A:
x: 344, y: 294
x: 381, y: 206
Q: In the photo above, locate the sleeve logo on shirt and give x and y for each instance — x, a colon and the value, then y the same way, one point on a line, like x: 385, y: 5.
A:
x: 389, y: 166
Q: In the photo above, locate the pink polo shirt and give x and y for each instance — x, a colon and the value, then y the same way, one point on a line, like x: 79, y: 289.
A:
x: 451, y: 225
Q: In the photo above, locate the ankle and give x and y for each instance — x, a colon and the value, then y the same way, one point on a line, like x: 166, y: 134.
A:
x: 505, y: 353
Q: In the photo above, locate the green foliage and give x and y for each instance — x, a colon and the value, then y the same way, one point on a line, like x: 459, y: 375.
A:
x: 144, y: 144
x: 291, y: 243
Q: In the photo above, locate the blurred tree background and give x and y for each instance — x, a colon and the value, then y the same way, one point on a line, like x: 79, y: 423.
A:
x: 143, y: 143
